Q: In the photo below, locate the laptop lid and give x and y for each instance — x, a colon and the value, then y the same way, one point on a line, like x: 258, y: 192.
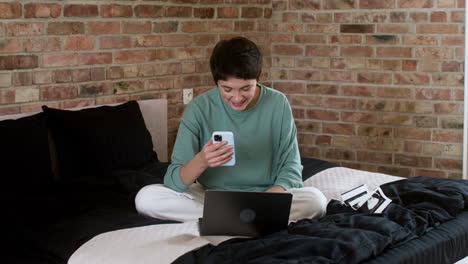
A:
x: 242, y: 213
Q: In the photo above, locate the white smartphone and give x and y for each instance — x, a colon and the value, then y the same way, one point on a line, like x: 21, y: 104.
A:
x: 219, y: 136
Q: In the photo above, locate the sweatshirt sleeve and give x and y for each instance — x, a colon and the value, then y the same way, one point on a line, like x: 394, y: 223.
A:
x: 290, y: 168
x: 187, y: 144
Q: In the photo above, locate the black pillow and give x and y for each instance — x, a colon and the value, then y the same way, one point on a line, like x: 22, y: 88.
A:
x: 94, y: 142
x: 24, y: 153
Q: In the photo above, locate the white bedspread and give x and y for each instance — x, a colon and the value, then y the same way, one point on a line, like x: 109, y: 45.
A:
x: 165, y: 243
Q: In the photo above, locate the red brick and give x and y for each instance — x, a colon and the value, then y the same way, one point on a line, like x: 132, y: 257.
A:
x: 203, y: 13
x: 63, y: 76
x: 394, y: 28
x: 453, y: 40
x: 80, y: 11
x: 22, y: 78
x: 322, y: 89
x: 332, y: 29
x: 42, y: 10
x: 80, y: 75
x: 176, y: 40
x: 420, y: 40
x: 409, y: 65
x: 374, y: 157
x: 7, y: 96
x: 374, y: 77
x: 395, y: 92
x: 252, y: 12
x: 94, y: 58
x: 457, y: 16
x: 396, y: 171
x: 359, y: 117
x: 340, y: 76
x: 58, y: 92
x: 340, y: 154
x: 79, y: 43
x: 220, y: 26
x: 136, y: 27
x: 430, y: 173
x: 337, y: 128
x: 65, y: 28
x: 160, y: 54
x: 357, y: 28
x: 59, y: 59
x: 304, y: 4
x: 290, y: 87
x: 97, y: 74
x: 309, y: 39
x: 244, y: 26
x: 14, y: 62
x: 115, y: 42
x: 302, y: 75
x: 42, y: 44
x: 416, y: 4
x: 112, y: 99
x: 451, y: 66
x: 447, y: 136
x: 354, y: 90
x: 10, y: 10
x: 179, y: 11
x: 193, y: 26
x: 10, y: 45
x: 24, y: 29
x: 437, y: 29
x: 418, y: 17
x: 381, y: 4
x: 116, y: 11
x: 148, y: 11
x: 413, y: 133
x: 165, y: 27
x: 346, y: 39
x: 101, y: 27
x: 163, y: 83
x: 321, y: 50
x: 190, y: 53
x: 42, y: 77
x: 439, y: 17
x: 323, y: 114
x: 394, y: 52
x: 356, y: 51
x: 448, y: 108
x: 305, y: 100
x: 96, y: 89
x: 288, y: 50
x: 448, y: 164
x: 148, y: 41
x: 411, y: 78
x: 340, y: 103
x: 413, y: 161
x: 76, y: 103
x: 10, y: 110
x: 129, y: 56
x: 434, y: 53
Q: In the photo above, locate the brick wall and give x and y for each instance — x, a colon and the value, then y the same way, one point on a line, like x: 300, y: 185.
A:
x: 75, y: 53
x: 375, y: 84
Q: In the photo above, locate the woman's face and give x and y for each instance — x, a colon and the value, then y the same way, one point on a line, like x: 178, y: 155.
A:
x: 239, y: 94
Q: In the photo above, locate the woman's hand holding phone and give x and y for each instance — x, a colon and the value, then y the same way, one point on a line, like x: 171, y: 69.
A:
x: 216, y: 154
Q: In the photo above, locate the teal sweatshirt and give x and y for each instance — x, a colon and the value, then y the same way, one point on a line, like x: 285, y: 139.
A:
x: 265, y: 140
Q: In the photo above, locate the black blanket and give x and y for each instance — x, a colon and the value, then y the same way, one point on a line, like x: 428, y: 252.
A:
x: 346, y: 236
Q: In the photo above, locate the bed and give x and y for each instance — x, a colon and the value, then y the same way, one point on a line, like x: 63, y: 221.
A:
x: 70, y: 214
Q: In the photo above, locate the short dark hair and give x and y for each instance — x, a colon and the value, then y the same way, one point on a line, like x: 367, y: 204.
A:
x: 238, y: 57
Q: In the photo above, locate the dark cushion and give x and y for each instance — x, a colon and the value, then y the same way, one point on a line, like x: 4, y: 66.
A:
x: 94, y: 142
x: 24, y: 153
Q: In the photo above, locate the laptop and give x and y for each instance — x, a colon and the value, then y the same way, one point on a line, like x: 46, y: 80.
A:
x: 244, y: 213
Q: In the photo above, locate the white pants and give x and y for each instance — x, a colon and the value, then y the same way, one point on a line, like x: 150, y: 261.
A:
x: 158, y: 201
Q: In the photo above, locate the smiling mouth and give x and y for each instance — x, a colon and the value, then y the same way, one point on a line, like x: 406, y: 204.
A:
x: 237, y: 104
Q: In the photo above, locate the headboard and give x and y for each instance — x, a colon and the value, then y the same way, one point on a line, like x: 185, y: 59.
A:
x: 155, y: 115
